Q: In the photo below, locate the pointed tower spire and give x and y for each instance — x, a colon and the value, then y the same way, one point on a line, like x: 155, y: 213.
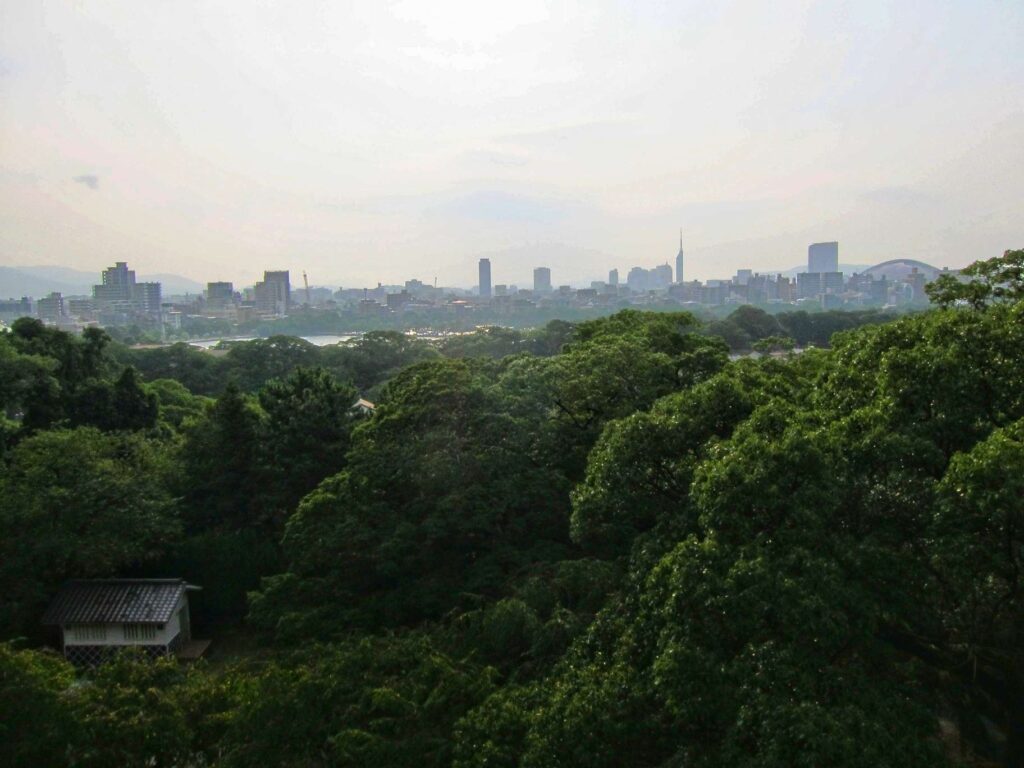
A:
x: 679, y: 258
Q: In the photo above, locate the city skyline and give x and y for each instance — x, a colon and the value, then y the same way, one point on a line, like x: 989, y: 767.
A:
x: 360, y: 142
x: 273, y: 293
x: 121, y: 301
x: 525, y: 275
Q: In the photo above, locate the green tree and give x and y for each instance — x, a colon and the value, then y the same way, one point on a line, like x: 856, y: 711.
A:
x: 78, y: 363
x: 737, y: 339
x: 639, y: 473
x: 199, y: 371
x: 977, y: 555
x: 120, y: 405
x: 251, y: 364
x: 441, y: 497
x: 373, y: 701
x: 592, y: 382
x: 770, y: 344
x: 176, y: 403
x: 374, y: 357
x: 77, y: 504
x: 494, y: 733
x: 948, y: 378
x: 817, y: 328
x: 525, y: 634
x: 220, y: 483
x: 999, y: 279
x: 817, y: 576
x: 26, y: 383
x: 305, y: 434
x: 129, y: 714
x: 749, y: 642
x: 495, y: 342
x: 660, y: 331
x: 38, y: 725
x: 755, y: 323
x: 79, y: 359
x: 228, y: 564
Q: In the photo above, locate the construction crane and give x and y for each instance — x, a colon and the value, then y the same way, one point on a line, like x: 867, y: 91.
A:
x: 306, y: 281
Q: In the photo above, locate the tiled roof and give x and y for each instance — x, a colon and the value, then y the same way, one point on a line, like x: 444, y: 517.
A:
x: 103, y: 601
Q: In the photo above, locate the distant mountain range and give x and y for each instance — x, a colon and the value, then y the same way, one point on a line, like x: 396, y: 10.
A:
x: 36, y: 282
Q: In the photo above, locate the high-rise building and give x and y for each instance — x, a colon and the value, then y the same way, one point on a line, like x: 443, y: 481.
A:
x: 637, y: 279
x: 274, y: 294
x: 119, y: 293
x: 542, y: 280
x: 51, y: 309
x: 785, y: 288
x: 640, y: 279
x: 917, y: 280
x: 713, y: 294
x: 879, y: 291
x: 759, y: 288
x: 395, y: 301
x: 679, y: 259
x: 12, y: 309
x: 283, y: 286
x: 613, y: 278
x: 220, y: 293
x: 485, y: 278
x: 808, y: 285
x: 823, y: 257
x: 811, y: 284
x: 832, y: 282
x: 117, y: 283
x: 147, y: 297
x: 661, y: 276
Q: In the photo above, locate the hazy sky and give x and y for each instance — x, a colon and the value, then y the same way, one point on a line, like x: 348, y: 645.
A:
x: 377, y: 141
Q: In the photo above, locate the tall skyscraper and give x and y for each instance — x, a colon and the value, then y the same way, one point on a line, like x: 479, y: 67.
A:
x: 542, y: 280
x: 274, y: 294
x: 679, y: 259
x: 485, y: 278
x: 823, y: 257
x: 613, y: 278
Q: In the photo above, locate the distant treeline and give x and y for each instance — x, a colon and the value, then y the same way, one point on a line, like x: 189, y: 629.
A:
x: 812, y: 327
x: 377, y: 355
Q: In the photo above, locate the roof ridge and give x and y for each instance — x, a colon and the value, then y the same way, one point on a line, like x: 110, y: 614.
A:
x: 116, y: 600
x: 124, y: 581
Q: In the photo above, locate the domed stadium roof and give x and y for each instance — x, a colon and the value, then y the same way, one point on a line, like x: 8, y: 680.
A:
x: 898, y: 269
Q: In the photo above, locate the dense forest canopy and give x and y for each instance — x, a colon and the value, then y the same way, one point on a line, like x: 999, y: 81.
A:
x: 593, y: 544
